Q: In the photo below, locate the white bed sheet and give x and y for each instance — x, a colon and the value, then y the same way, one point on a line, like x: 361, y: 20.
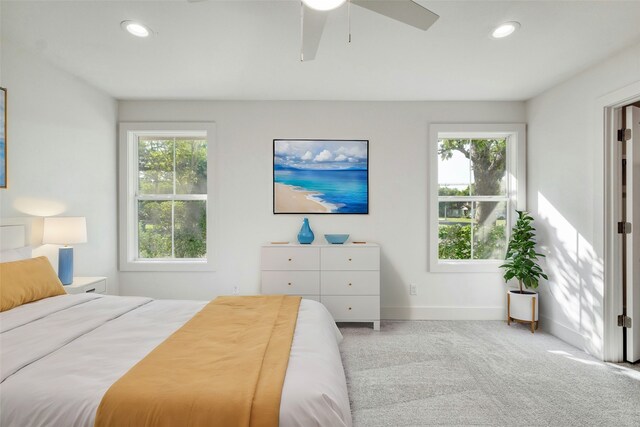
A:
x: 60, y: 355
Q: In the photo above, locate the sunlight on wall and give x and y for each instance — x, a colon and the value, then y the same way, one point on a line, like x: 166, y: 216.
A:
x: 575, y: 277
x: 39, y: 207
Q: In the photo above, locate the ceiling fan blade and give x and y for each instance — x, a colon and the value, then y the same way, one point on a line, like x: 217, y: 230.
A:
x: 406, y: 11
x: 312, y: 27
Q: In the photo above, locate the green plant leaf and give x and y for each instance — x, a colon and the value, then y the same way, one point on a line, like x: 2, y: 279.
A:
x: 521, y: 256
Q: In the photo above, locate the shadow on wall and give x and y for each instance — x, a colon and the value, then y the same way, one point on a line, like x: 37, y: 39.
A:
x: 390, y: 279
x: 575, y: 277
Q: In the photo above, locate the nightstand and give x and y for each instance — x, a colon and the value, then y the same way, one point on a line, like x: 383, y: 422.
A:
x: 81, y: 285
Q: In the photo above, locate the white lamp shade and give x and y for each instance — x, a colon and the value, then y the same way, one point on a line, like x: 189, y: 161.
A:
x: 65, y: 230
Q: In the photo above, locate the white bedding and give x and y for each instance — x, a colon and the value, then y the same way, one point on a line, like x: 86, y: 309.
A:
x: 61, y: 354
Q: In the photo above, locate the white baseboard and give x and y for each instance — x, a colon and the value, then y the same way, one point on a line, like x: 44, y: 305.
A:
x: 566, y: 334
x: 443, y: 313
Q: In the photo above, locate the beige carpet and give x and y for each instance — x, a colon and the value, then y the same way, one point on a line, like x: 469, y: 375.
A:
x: 459, y: 373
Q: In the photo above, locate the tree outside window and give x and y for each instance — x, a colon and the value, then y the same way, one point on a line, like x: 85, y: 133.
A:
x: 172, y: 197
x: 473, y: 198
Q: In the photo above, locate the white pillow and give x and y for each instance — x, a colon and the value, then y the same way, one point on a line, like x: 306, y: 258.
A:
x: 15, y: 254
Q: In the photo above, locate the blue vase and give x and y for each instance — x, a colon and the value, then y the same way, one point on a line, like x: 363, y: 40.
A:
x: 305, y: 236
x: 65, y: 265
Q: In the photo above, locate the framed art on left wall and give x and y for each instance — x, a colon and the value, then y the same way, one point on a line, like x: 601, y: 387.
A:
x: 3, y: 138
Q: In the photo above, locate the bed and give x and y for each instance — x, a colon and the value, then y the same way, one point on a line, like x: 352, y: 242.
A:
x: 61, y: 354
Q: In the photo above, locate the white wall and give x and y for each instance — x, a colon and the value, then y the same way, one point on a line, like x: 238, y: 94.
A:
x: 565, y: 194
x: 398, y: 134
x: 62, y: 155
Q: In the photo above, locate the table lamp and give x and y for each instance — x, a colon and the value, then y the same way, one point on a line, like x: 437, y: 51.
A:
x: 65, y: 231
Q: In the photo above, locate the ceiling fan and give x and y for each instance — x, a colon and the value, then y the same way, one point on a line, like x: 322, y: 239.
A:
x: 314, y: 16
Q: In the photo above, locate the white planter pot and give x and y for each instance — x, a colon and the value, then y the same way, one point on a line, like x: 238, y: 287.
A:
x: 524, y: 306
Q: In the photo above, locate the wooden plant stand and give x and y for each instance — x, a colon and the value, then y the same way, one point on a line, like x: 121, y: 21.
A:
x: 532, y: 323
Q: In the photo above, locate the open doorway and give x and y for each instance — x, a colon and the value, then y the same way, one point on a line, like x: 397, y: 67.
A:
x: 622, y: 226
x: 629, y: 199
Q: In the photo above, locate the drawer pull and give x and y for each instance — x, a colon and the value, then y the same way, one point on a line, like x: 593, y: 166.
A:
x: 289, y: 259
x: 289, y: 283
x: 349, y: 284
x: 349, y: 259
x: 90, y: 290
x: 349, y: 308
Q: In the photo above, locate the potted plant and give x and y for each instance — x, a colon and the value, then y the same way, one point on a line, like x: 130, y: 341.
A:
x: 521, y: 263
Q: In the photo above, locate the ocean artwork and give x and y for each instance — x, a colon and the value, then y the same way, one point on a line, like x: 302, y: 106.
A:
x: 320, y: 176
x: 3, y: 138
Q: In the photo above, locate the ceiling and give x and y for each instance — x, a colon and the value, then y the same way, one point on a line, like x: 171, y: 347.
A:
x: 250, y: 49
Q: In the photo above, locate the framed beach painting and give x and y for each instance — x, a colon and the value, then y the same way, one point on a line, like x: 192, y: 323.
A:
x: 320, y: 176
x: 3, y: 138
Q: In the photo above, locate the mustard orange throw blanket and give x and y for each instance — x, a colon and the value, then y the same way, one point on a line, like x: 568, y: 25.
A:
x: 224, y: 367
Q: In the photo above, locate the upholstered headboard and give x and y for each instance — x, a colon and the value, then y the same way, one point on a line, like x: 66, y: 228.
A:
x: 32, y: 227
x: 12, y: 237
x: 26, y: 232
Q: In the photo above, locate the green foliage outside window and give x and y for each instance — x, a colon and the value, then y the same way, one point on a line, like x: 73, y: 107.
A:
x: 172, y: 228
x: 486, y: 219
x: 454, y: 242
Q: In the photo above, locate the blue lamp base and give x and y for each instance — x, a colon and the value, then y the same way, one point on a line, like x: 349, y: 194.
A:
x: 65, y: 265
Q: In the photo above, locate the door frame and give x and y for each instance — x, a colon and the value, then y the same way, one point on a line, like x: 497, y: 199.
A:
x: 608, y: 122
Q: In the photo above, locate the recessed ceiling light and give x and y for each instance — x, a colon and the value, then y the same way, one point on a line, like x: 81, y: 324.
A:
x: 504, y: 30
x: 323, y: 4
x: 136, y: 28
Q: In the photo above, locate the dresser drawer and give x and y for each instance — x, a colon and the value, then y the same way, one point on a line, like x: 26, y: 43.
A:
x: 290, y: 258
x: 350, y: 282
x: 352, y: 308
x: 350, y: 258
x: 291, y: 282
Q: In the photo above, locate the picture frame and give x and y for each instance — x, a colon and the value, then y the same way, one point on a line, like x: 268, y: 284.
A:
x: 321, y: 176
x: 3, y: 137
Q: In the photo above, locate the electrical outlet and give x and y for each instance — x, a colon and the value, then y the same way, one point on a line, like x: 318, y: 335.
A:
x: 413, y: 290
x: 236, y: 290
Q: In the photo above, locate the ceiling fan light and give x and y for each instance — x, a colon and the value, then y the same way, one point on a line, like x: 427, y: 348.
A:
x: 323, y: 4
x: 136, y: 28
x: 505, y: 30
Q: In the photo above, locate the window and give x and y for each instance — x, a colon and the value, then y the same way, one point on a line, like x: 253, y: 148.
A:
x: 165, y: 204
x: 477, y: 181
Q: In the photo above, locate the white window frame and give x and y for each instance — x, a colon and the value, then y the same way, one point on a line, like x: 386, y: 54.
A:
x: 516, y: 185
x: 128, y: 173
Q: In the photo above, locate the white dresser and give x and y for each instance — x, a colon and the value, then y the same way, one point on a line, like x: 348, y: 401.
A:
x: 345, y: 278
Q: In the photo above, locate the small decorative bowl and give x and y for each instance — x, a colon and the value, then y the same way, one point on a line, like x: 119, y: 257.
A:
x: 336, y: 239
